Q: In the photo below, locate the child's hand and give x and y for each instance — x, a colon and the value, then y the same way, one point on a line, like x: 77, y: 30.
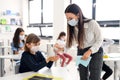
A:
x: 55, y: 58
x: 52, y: 58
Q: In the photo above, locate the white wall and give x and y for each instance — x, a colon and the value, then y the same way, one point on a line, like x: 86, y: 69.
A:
x: 25, y: 13
x: 59, y: 23
x: 14, y: 5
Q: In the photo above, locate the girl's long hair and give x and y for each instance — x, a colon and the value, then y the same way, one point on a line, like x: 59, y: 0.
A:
x: 16, y: 39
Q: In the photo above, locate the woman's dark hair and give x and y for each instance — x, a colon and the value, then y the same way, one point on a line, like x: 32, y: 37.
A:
x: 16, y: 39
x: 31, y: 38
x: 61, y: 34
x: 71, y: 34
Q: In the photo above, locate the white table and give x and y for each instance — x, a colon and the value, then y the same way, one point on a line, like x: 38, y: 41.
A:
x: 113, y: 57
x: 9, y: 57
x: 2, y: 57
x: 54, y: 71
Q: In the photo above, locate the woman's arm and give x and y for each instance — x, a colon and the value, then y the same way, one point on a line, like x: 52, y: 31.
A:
x: 97, y: 37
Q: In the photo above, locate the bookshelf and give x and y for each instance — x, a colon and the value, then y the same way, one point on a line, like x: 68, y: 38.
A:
x: 8, y: 20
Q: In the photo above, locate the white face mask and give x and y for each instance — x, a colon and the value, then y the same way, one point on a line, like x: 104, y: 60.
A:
x: 35, y: 48
x: 62, y: 39
x: 21, y: 37
x: 73, y: 22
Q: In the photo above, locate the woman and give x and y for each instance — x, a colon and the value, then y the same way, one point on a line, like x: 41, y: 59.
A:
x: 86, y: 33
x: 32, y: 59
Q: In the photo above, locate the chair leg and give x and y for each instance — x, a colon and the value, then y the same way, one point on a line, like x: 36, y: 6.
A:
x: 12, y: 64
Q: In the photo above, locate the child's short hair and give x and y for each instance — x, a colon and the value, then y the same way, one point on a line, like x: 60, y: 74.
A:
x: 31, y: 38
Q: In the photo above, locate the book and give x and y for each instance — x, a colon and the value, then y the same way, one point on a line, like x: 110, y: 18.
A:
x: 83, y: 62
x: 38, y: 76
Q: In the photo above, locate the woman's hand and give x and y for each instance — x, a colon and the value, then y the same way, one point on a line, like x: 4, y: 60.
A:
x: 86, y: 55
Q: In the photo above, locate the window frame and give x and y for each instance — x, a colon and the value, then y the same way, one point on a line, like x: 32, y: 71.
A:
x: 104, y: 23
x: 42, y: 24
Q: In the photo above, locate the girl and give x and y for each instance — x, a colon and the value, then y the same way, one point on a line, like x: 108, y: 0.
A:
x: 59, y: 49
x: 32, y: 59
x: 18, y: 41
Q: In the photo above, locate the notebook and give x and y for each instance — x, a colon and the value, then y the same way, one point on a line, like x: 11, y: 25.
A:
x: 83, y: 62
x: 38, y: 76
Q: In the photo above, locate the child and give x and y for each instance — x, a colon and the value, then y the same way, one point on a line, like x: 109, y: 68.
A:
x: 18, y: 41
x: 32, y: 59
x: 59, y: 48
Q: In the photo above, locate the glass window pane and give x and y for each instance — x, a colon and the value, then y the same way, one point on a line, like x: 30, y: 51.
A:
x: 47, y: 31
x: 111, y: 32
x: 86, y: 6
x: 35, y: 11
x: 34, y: 30
x: 47, y: 11
x: 107, y: 10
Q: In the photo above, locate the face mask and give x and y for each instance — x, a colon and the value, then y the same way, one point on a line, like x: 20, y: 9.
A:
x: 35, y: 48
x: 62, y: 39
x: 73, y: 22
x: 21, y: 37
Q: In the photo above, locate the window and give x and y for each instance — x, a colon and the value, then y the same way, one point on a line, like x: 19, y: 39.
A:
x: 107, y: 10
x: 111, y: 32
x: 47, y: 11
x: 47, y: 32
x: 108, y: 16
x: 35, y: 11
x: 41, y: 16
x: 40, y: 11
x: 86, y: 6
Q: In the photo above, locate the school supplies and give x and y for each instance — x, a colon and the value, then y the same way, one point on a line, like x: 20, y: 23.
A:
x: 38, y: 76
x: 83, y: 62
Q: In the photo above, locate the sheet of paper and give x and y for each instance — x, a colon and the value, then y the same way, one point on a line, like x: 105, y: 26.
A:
x: 83, y: 62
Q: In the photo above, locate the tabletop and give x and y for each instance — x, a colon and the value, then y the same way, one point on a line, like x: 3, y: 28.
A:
x: 54, y: 71
x: 10, y: 56
x: 112, y: 57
